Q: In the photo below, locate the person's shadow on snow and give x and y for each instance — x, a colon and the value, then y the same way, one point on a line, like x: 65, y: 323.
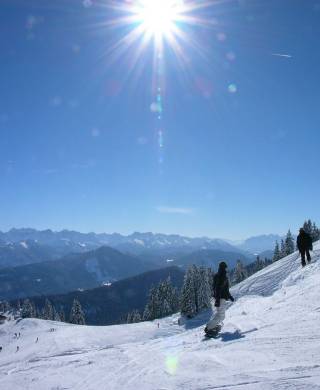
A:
x: 230, y: 336
x: 236, y: 335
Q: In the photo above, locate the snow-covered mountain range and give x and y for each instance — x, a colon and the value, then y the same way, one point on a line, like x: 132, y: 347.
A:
x: 25, y: 246
x: 270, y: 340
x: 136, y: 241
x: 258, y: 244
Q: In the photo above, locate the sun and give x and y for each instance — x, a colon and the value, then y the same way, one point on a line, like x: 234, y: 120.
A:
x: 158, y: 17
x: 162, y: 24
x: 157, y: 21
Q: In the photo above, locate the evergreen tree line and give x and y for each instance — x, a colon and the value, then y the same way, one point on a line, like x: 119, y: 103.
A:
x: 163, y: 300
x: 195, y: 295
x: 197, y: 290
x: 27, y: 309
x: 5, y: 307
x: 287, y: 246
x: 242, y: 272
x: 312, y: 229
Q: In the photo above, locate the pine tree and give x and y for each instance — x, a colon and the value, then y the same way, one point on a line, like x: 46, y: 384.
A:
x: 136, y: 316
x: 4, y: 306
x: 163, y: 300
x: 171, y: 296
x: 276, y: 253
x: 188, y: 295
x: 315, y: 234
x: 133, y: 317
x: 129, y: 318
x: 76, y: 314
x: 34, y: 310
x: 289, y: 244
x: 27, y: 310
x: 307, y: 227
x: 211, y: 281
x: 62, y: 315
x: 204, y: 290
x: 39, y: 312
x: 149, y: 309
x: 146, y: 314
x: 48, y: 311
x: 282, y: 249
x: 175, y: 300
x: 56, y: 315
x: 259, y: 264
x: 152, y: 309
x: 240, y: 273
x: 196, y: 286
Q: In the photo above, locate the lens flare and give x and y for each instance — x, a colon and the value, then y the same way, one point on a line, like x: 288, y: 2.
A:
x: 171, y: 364
x: 168, y: 28
x: 232, y: 88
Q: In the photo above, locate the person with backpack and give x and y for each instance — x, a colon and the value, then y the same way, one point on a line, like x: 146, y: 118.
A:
x: 304, y: 244
x: 221, y: 295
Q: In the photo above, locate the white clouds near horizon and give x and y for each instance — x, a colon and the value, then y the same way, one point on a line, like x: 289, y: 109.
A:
x: 174, y: 210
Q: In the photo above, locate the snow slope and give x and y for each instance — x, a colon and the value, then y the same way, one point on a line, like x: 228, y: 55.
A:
x: 271, y: 340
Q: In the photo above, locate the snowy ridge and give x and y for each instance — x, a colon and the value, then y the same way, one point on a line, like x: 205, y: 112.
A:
x: 272, y: 278
x: 271, y: 340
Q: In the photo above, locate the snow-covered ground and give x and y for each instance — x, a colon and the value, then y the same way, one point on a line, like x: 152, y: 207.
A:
x: 271, y: 340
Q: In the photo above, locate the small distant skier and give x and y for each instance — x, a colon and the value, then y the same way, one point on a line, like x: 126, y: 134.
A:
x: 37, y: 339
x: 221, y: 295
x: 304, y: 244
x: 0, y: 349
x: 17, y: 350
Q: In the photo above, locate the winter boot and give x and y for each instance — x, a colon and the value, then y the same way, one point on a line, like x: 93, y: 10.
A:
x: 212, y: 332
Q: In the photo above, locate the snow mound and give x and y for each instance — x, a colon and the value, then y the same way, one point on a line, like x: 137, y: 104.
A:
x: 270, y: 340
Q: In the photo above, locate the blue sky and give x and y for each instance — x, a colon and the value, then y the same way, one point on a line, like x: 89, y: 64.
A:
x: 80, y: 146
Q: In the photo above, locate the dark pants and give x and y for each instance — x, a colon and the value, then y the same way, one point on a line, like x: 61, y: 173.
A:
x: 303, y: 253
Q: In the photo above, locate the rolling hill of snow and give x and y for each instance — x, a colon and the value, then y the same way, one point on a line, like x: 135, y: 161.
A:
x: 271, y: 340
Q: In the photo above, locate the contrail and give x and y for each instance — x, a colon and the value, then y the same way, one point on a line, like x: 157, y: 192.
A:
x: 282, y: 55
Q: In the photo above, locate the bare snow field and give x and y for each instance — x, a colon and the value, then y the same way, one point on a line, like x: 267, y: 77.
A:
x: 271, y: 340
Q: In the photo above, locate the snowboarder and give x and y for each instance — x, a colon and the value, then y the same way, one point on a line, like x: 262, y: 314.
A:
x: 221, y: 294
x: 304, y: 244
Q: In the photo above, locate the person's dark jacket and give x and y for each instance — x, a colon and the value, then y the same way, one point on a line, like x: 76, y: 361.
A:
x: 221, y: 287
x: 304, y: 241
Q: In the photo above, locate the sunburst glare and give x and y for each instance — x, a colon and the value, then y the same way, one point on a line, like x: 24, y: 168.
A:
x: 162, y: 26
x: 156, y: 21
x: 158, y: 17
